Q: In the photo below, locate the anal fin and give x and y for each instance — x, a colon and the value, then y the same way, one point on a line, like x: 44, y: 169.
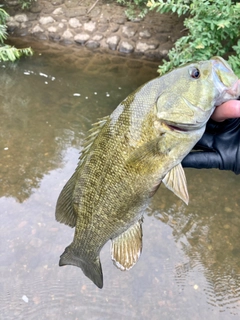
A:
x: 127, y: 247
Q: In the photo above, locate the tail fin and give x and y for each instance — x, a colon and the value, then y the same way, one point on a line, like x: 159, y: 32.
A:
x: 91, y: 268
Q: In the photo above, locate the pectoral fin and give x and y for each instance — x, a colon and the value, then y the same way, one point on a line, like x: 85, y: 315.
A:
x: 127, y: 248
x: 175, y: 180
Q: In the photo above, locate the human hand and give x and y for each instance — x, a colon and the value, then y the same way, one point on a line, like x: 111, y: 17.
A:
x: 220, y: 145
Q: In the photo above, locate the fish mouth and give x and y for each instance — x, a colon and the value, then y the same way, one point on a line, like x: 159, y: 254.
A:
x: 225, y: 81
x: 182, y: 127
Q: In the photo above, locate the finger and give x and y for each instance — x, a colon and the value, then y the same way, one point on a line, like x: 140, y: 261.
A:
x: 202, y: 160
x: 227, y: 110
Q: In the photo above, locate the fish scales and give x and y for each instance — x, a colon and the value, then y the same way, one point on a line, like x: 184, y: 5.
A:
x: 129, y: 153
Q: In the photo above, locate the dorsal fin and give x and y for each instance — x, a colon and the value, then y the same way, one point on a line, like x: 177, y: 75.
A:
x: 65, y: 212
x: 175, y: 180
x: 93, y: 133
x: 127, y: 247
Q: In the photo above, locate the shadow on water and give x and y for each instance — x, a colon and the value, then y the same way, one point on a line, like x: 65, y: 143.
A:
x: 190, y: 265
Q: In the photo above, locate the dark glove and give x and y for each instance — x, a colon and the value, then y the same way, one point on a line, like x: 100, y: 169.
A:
x: 219, y: 147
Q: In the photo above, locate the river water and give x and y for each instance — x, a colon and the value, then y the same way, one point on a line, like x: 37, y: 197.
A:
x: 190, y: 265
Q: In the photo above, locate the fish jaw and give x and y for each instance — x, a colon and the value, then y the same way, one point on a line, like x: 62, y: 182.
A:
x: 226, y: 82
x: 231, y: 93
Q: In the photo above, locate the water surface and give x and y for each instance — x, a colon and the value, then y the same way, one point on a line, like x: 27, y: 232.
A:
x: 190, y: 265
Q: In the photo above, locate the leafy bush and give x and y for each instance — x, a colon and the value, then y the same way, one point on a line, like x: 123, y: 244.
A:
x: 213, y: 29
x: 9, y: 53
x: 135, y: 8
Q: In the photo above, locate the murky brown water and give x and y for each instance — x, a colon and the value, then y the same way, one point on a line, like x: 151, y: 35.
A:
x: 190, y: 265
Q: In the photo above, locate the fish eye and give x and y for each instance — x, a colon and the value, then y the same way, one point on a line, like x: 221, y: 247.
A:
x: 194, y: 73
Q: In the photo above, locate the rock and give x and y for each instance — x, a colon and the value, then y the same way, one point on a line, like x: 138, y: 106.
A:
x: 46, y: 20
x: 13, y: 3
x: 145, y: 34
x: 105, y: 16
x: 113, y: 42
x: 97, y: 37
x: 58, y: 11
x: 89, y: 26
x: 61, y: 25
x: 26, y: 25
x: 81, y: 38
x: 103, y: 27
x: 128, y: 32
x: 46, y: 10
x: 57, y: 2
x: 40, y: 36
x: 21, y: 32
x: 91, y: 44
x: 36, y: 8
x: 126, y: 47
x: 102, y: 20
x: 12, y: 24
x: 54, y: 36
x: 52, y: 29
x: 32, y: 16
x: 67, y: 35
x: 104, y: 45
x: 143, y: 46
x: 37, y: 29
x: 84, y: 18
x: 114, y: 27
x: 74, y: 23
x: 21, y: 18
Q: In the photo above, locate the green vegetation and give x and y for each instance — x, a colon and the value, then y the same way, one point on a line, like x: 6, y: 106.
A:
x: 213, y: 28
x: 26, y: 4
x: 135, y: 8
x: 7, y: 52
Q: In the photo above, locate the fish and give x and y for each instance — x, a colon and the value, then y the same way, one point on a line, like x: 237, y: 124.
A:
x: 127, y: 155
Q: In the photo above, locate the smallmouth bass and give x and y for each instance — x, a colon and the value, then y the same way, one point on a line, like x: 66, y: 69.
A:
x: 129, y: 153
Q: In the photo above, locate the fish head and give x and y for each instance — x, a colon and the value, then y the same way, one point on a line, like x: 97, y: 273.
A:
x: 194, y: 91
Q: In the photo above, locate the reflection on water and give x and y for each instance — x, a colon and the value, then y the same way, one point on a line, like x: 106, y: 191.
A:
x: 208, y: 234
x: 190, y: 266
x: 47, y: 105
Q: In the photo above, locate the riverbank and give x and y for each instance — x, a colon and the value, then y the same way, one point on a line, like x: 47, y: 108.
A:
x: 103, y: 27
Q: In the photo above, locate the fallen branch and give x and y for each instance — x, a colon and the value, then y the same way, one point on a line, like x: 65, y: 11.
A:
x: 92, y: 6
